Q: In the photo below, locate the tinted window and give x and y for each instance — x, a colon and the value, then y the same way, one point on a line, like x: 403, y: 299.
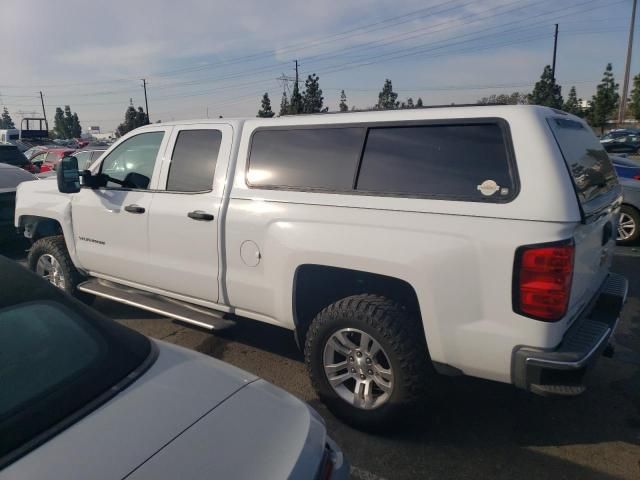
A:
x: 84, y: 160
x: 12, y: 156
x: 438, y: 160
x: 193, y: 162
x: 133, y: 161
x: 97, y: 154
x: 53, y: 362
x: 324, y: 158
x: 588, y: 162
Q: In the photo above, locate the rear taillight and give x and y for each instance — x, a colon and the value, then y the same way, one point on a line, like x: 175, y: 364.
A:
x: 636, y: 177
x: 542, y: 280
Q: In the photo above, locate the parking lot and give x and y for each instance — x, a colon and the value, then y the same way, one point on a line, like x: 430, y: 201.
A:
x: 471, y: 428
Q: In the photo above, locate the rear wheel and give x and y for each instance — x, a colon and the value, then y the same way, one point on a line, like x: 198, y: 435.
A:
x: 367, y: 359
x: 628, y: 225
x: 50, y: 259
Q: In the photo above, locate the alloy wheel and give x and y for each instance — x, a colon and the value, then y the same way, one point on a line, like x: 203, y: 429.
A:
x: 626, y: 227
x: 358, y: 369
x: 49, y: 268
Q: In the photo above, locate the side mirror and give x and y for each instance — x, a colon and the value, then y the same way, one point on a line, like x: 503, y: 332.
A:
x: 68, y: 175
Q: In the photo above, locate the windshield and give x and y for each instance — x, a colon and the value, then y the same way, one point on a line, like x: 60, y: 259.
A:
x: 12, y: 156
x: 589, y: 164
x: 54, y: 364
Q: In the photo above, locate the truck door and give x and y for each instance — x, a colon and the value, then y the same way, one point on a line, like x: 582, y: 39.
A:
x: 184, y: 223
x: 110, y: 224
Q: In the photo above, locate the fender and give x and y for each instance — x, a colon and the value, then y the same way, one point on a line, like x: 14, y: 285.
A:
x: 41, y: 201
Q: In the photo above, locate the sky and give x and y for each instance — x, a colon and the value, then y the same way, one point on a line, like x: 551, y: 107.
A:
x: 214, y: 58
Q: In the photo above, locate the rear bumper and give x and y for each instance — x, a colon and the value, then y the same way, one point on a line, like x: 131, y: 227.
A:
x: 561, y: 371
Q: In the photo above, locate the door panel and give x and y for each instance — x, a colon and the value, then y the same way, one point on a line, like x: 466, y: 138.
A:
x: 110, y: 224
x: 110, y: 240
x: 183, y: 249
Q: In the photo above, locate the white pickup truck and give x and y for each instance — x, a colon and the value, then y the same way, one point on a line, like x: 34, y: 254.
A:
x: 395, y: 245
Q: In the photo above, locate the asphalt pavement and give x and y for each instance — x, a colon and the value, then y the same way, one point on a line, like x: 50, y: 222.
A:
x: 470, y: 428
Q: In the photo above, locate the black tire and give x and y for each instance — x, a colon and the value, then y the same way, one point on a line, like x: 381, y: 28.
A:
x: 57, y: 248
x: 398, y: 332
x: 629, y: 213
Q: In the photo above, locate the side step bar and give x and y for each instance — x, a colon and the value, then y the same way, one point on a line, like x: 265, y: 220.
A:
x: 193, y: 314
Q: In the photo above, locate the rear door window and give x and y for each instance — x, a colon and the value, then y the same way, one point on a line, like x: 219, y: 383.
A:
x: 589, y: 164
x: 193, y: 162
x: 305, y: 158
x: 465, y: 162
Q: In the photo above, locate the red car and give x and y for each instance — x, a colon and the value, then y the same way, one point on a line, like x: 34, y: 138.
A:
x: 49, y: 159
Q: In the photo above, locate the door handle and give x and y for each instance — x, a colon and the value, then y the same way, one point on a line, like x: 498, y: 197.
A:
x: 134, y: 209
x: 200, y: 215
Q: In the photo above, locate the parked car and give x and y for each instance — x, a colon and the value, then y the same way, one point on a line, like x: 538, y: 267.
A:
x: 621, y: 141
x: 396, y: 245
x: 10, y: 178
x: 88, y: 156
x: 11, y: 155
x: 48, y: 159
x: 103, y: 402
x: 629, y: 222
x: 625, y: 167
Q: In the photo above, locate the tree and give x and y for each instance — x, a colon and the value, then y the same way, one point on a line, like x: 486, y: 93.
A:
x: 546, y: 91
x: 572, y: 105
x: 5, y: 120
x: 605, y: 101
x: 59, y: 124
x: 312, y: 97
x: 634, y: 101
x: 68, y: 121
x: 296, y: 106
x: 132, y: 119
x: 515, y: 98
x: 284, y: 105
x: 265, y: 111
x: 419, y: 103
x: 410, y: 103
x: 387, y: 98
x: 141, y: 118
x: 343, y: 102
x: 76, y: 129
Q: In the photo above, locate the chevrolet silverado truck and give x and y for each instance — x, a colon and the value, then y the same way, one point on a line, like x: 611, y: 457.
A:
x: 398, y: 246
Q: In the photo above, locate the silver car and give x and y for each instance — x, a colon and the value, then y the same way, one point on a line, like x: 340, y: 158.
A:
x: 83, y: 397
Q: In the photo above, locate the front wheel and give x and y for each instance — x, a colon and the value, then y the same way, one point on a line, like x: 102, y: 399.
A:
x: 368, y: 360
x: 50, y: 259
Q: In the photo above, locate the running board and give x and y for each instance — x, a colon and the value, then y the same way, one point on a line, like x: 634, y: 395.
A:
x: 185, y: 312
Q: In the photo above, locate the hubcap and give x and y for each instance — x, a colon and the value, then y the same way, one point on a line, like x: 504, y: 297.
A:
x: 358, y: 369
x: 626, y: 227
x: 50, y: 268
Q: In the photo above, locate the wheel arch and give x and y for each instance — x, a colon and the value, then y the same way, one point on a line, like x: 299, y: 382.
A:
x: 318, y: 286
x: 35, y: 227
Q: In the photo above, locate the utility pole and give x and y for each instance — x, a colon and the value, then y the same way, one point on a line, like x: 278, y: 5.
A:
x: 44, y: 114
x: 146, y: 103
x: 555, y: 50
x: 625, y: 87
